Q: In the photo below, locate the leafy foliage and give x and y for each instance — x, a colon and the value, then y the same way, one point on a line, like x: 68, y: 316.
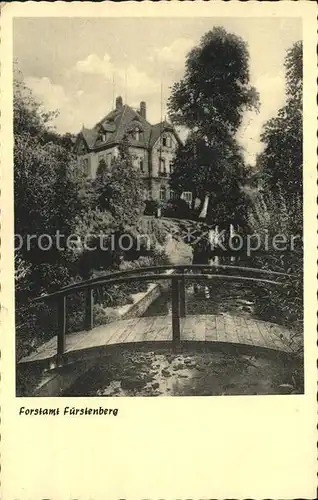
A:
x: 210, y: 101
x: 272, y: 215
x: 46, y: 193
x: 278, y: 209
x: 151, y: 207
x: 215, y: 88
x: 280, y: 163
x: 120, y: 189
x: 177, y: 208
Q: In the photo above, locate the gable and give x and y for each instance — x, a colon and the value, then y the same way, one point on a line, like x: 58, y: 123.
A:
x: 131, y: 121
x: 166, y: 138
x: 81, y: 146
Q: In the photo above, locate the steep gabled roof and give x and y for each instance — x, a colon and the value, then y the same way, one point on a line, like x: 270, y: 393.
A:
x: 129, y: 119
x: 90, y: 136
x: 118, y: 122
x: 158, y: 129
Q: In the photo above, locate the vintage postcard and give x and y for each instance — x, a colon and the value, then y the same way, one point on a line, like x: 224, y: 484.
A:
x: 158, y: 250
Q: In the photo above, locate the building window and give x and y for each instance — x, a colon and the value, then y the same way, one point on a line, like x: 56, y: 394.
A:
x: 187, y: 196
x: 141, y: 165
x: 162, y: 166
x: 172, y: 195
x: 166, y: 141
x: 137, y: 134
x: 162, y: 194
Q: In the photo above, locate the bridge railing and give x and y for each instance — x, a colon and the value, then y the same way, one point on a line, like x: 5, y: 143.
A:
x: 143, y: 274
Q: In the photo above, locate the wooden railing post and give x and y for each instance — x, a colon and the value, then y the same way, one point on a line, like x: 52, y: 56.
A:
x: 61, y: 327
x: 175, y: 299
x: 182, y: 297
x: 89, y: 303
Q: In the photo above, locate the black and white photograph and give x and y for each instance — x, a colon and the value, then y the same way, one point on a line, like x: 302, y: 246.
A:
x: 158, y: 206
x: 158, y: 263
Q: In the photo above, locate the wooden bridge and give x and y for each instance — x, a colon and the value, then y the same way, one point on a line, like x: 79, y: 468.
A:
x: 175, y: 329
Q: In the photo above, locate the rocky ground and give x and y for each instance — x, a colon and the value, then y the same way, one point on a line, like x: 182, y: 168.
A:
x: 188, y: 374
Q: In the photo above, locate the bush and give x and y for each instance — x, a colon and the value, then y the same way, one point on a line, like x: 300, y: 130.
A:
x: 271, y: 215
x: 101, y: 316
x: 177, y: 208
x: 36, y: 323
x: 151, y: 207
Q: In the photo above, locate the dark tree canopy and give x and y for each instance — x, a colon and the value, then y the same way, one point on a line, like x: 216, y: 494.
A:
x: 215, y: 89
x: 281, y: 161
x: 46, y: 190
x: 210, y: 101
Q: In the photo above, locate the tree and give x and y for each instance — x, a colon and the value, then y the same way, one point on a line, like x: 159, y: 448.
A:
x: 46, y: 192
x: 277, y: 209
x: 214, y: 176
x: 120, y: 189
x: 210, y: 101
x: 281, y: 161
x: 215, y: 90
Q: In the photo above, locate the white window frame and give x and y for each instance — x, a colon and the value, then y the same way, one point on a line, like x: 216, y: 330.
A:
x: 163, y: 190
x: 187, y: 196
x: 162, y: 165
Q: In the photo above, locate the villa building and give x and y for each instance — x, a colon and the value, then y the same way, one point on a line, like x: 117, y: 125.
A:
x: 152, y: 147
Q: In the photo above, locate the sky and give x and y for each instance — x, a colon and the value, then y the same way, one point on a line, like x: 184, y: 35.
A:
x: 79, y: 65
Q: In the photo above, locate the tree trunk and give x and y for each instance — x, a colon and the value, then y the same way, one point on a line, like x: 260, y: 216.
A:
x: 194, y: 197
x: 213, y: 239
x: 232, y: 233
x: 204, y: 210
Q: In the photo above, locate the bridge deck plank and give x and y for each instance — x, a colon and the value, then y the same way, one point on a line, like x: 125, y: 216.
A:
x: 162, y: 332
x: 211, y: 328
x: 127, y: 325
x: 254, y: 332
x: 231, y: 329
x: 189, y: 328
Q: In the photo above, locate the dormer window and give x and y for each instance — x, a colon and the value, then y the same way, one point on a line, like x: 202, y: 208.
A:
x: 166, y: 141
x: 137, y: 134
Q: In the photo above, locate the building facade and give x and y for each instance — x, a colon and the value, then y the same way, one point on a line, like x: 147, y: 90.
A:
x: 152, y: 147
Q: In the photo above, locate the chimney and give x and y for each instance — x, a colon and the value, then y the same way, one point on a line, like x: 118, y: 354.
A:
x: 119, y: 103
x: 143, y: 109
